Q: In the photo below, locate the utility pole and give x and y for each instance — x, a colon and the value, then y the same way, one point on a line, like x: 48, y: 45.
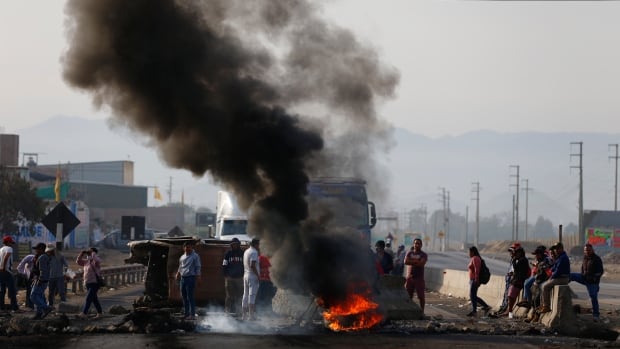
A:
x: 513, y: 218
x: 445, y: 218
x: 516, y: 202
x: 615, y: 157
x: 466, y: 227
x: 526, y: 190
x: 448, y: 219
x: 476, y: 190
x: 424, y: 213
x: 580, y: 167
x: 170, y: 190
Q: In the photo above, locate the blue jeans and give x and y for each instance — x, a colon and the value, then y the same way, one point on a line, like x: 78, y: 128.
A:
x: 91, y: 298
x: 37, y: 296
x: 7, y: 283
x: 527, y: 288
x: 473, y: 296
x: 592, y: 292
x: 188, y: 284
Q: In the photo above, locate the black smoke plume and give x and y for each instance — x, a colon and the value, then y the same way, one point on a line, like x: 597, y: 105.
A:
x: 236, y: 89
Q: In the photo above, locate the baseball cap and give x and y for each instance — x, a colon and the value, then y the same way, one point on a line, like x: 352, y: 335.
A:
x: 39, y: 246
x: 8, y: 240
x: 514, y: 246
x: 50, y: 248
x: 235, y: 241
x: 540, y: 249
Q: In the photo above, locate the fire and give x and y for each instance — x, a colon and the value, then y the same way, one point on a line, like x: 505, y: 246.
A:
x: 356, y: 312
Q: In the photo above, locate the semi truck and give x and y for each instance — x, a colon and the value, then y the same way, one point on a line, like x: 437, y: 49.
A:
x: 230, y: 221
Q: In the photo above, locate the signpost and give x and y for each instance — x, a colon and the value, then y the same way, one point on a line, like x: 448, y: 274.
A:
x: 60, y: 221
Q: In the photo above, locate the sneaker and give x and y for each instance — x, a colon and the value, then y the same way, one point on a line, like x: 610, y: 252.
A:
x: 472, y: 314
x: 46, y: 311
x: 510, y: 315
x: 99, y: 315
x: 82, y: 316
x: 544, y: 309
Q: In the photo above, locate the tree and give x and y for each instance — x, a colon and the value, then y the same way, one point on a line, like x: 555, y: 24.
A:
x: 19, y: 204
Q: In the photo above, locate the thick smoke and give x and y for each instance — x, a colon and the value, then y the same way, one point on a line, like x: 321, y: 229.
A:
x: 238, y: 90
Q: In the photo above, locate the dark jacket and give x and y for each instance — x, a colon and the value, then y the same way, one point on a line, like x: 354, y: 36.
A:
x: 521, y: 268
x: 592, y: 269
x: 233, y: 264
x: 541, y: 269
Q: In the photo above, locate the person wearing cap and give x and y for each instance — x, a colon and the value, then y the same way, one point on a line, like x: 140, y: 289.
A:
x: 58, y: 265
x: 251, y: 280
x: 40, y: 282
x: 590, y: 277
x: 560, y: 275
x: 232, y: 266
x: 188, y: 275
x: 91, y: 263
x: 25, y: 268
x: 7, y: 282
x: 503, y: 308
x: 541, y: 269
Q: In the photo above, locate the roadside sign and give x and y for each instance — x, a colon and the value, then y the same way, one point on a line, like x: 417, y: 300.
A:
x: 60, y: 217
x: 441, y: 234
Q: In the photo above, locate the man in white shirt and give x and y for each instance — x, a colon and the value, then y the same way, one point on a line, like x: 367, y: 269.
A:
x: 251, y: 280
x: 7, y: 282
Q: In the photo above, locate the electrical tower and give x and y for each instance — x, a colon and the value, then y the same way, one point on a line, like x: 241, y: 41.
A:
x: 580, y: 234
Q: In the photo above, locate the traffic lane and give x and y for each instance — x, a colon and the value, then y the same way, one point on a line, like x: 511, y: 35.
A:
x: 313, y: 340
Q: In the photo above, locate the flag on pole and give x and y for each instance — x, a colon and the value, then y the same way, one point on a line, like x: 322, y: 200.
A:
x: 157, y: 194
x: 57, y: 184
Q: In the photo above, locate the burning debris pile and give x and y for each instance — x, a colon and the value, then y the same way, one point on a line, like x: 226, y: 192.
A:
x: 355, y: 312
x: 225, y: 88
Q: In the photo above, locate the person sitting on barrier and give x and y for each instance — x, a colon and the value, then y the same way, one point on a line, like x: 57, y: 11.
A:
x: 560, y: 275
x: 590, y: 276
x: 90, y: 261
x: 474, y: 266
x: 541, y: 270
x: 521, y: 271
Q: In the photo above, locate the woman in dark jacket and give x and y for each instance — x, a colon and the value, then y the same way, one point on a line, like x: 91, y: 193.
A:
x: 521, y: 268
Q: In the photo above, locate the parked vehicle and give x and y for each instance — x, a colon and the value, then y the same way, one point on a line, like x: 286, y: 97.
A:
x: 230, y: 221
x: 114, y: 240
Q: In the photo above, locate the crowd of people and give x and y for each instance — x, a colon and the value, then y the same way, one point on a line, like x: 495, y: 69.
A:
x: 531, y: 282
x: 43, y: 273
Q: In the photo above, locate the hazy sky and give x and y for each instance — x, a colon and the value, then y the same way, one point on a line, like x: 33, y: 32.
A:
x: 465, y: 65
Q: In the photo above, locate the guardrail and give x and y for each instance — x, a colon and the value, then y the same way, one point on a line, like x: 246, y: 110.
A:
x: 113, y: 276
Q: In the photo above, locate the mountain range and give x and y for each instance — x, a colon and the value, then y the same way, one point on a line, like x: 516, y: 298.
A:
x: 418, y: 168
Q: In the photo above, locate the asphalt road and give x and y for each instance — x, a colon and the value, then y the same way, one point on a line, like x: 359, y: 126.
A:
x: 608, y: 295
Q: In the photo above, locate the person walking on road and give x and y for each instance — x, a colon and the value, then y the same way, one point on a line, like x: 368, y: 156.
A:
x: 560, y: 275
x: 187, y: 274
x: 232, y: 266
x: 416, y: 260
x: 7, y: 281
x: 475, y: 263
x: 251, y: 280
x: 590, y: 276
x: 91, y: 263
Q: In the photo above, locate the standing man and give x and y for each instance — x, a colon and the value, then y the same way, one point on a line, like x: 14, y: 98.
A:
x: 416, y: 260
x: 233, y: 277
x: 399, y: 260
x: 40, y: 281
x: 25, y: 267
x: 590, y: 276
x: 251, y: 277
x: 188, y: 272
x: 560, y: 275
x: 7, y: 282
x: 58, y: 265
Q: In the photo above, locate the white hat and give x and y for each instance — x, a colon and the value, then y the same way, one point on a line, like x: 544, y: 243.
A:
x: 50, y: 248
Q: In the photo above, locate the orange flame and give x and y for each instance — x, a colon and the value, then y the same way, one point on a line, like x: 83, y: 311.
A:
x: 358, y: 311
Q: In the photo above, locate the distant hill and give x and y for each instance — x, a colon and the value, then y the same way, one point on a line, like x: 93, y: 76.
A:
x: 418, y: 167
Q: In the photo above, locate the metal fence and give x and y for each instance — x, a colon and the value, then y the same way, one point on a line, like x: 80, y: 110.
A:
x: 113, y: 276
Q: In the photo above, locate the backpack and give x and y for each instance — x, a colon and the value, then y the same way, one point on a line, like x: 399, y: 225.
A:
x: 485, y: 273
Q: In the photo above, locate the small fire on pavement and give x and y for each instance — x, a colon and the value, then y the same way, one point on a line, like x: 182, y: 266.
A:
x: 353, y: 313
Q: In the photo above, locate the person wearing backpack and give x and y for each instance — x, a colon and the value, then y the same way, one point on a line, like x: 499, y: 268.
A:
x: 474, y: 266
x: 590, y: 276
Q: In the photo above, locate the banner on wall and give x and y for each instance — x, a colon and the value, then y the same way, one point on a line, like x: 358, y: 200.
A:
x: 609, y: 237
